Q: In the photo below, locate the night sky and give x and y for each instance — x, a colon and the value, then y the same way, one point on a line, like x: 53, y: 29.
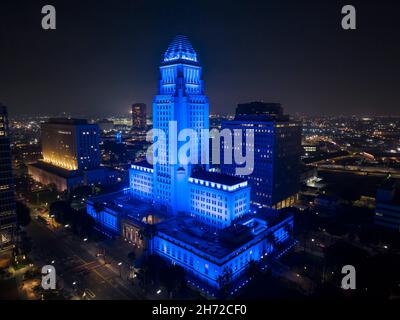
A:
x: 105, y: 54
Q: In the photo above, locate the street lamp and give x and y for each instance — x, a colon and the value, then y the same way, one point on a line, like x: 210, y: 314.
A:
x: 158, y: 291
x: 120, y: 269
x: 86, y: 239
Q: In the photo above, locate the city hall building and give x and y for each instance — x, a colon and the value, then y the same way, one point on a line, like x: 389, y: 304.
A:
x: 208, y: 226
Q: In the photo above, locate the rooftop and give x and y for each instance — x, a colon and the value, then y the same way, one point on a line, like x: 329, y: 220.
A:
x: 121, y: 203
x: 56, y: 170
x: 191, y: 233
x: 217, y: 178
x: 143, y: 164
x: 224, y: 242
x: 260, y: 111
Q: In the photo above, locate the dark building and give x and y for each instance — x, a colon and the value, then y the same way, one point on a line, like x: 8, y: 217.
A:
x: 258, y: 108
x: 277, y: 149
x: 139, y: 117
x: 387, y: 213
x: 7, y: 196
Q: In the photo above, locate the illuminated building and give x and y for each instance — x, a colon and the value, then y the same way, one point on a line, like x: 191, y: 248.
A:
x: 141, y: 180
x: 71, y: 155
x: 71, y: 144
x: 139, y: 117
x: 277, y: 149
x: 209, y: 227
x: 7, y: 196
x: 180, y: 98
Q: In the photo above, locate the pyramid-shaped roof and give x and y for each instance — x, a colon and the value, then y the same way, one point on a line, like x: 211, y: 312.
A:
x: 180, y: 49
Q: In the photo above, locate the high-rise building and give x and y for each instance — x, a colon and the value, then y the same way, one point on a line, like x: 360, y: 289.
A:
x: 71, y: 155
x: 7, y: 196
x: 139, y: 115
x: 181, y: 102
x: 275, y: 178
x: 71, y: 144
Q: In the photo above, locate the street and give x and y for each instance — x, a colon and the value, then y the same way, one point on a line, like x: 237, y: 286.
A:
x: 77, y: 267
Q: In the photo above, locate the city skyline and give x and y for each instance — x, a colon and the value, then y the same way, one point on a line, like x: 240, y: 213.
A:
x: 309, y: 64
x: 219, y: 152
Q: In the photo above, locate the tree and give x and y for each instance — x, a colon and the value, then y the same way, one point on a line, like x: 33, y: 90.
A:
x: 81, y: 192
x: 151, y: 268
x: 82, y: 223
x: 23, y: 214
x: 62, y: 211
x: 289, y: 230
x: 132, y: 257
x: 253, y: 269
x: 224, y: 281
x: 25, y: 245
x: 271, y: 239
x: 173, y: 279
x: 146, y: 234
x: 98, y: 209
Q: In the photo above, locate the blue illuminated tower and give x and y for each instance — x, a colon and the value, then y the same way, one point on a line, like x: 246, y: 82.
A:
x: 180, y: 99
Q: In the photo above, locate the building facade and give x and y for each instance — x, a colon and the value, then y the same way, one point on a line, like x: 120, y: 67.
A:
x: 71, y: 144
x: 275, y: 179
x: 8, y: 220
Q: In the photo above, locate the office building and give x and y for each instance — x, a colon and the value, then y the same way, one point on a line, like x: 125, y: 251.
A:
x: 275, y: 178
x: 139, y: 114
x: 8, y: 220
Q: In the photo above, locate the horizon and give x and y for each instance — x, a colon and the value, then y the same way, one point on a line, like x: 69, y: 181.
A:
x: 309, y: 65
